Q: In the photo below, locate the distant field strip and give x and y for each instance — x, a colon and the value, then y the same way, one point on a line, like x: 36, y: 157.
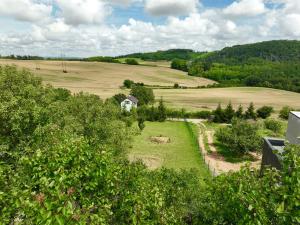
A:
x: 201, y: 98
x: 105, y: 79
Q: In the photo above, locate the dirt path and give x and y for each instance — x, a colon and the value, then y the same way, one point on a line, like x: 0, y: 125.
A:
x: 213, y: 159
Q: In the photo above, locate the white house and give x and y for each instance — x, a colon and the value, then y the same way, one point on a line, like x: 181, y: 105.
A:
x: 129, y: 103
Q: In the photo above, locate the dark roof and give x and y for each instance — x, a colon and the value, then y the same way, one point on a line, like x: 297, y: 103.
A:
x: 133, y: 99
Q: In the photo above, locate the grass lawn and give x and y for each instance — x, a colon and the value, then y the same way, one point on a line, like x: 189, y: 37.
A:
x: 181, y: 152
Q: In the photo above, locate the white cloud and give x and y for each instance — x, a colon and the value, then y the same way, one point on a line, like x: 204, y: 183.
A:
x: 25, y: 10
x: 170, y: 7
x: 76, y: 12
x: 246, y: 8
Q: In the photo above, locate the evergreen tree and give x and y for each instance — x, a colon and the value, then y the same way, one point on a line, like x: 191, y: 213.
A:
x: 219, y: 114
x: 229, y: 113
x: 250, y: 113
x: 240, y: 112
x: 161, y: 111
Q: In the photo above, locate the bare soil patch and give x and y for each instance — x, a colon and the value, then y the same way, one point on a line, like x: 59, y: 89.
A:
x: 160, y: 140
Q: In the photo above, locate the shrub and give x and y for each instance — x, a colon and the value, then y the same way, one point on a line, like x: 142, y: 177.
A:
x: 240, y: 138
x: 119, y: 98
x: 284, y: 112
x: 264, y: 112
x: 128, y: 83
x: 131, y: 62
x: 273, y: 125
x: 176, y: 85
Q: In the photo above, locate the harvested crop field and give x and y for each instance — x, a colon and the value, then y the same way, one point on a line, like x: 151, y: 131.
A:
x: 194, y: 99
x: 104, y: 79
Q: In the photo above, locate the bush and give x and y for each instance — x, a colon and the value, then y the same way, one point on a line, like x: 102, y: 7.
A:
x: 264, y: 112
x: 143, y: 94
x: 240, y: 138
x: 119, y: 98
x: 284, y: 112
x: 128, y: 83
x: 131, y: 62
x: 179, y: 64
x: 273, y: 125
x: 176, y: 85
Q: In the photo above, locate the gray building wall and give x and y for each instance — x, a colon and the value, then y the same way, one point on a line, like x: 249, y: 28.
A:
x: 293, y: 131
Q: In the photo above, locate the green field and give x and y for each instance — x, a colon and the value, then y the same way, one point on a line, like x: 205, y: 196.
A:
x: 181, y: 153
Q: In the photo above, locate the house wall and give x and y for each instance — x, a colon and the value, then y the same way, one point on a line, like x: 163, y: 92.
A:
x: 293, y: 131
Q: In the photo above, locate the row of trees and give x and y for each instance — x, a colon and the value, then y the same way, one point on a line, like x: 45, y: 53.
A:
x: 227, y: 114
x: 62, y: 161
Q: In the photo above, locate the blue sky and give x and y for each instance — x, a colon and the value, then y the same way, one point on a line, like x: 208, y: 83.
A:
x: 113, y: 27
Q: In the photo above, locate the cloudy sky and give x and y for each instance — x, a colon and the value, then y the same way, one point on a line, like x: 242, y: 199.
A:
x: 113, y: 27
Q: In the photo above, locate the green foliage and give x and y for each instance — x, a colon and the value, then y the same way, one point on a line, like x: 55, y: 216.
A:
x: 102, y: 59
x: 246, y: 197
x: 219, y: 116
x: 285, y: 112
x: 179, y: 64
x: 229, y: 113
x: 176, y: 85
x: 130, y: 61
x: 161, y: 111
x: 120, y: 97
x: 264, y: 112
x: 169, y: 55
x: 128, y: 83
x: 240, y: 138
x: 273, y: 125
x: 250, y: 112
x: 143, y: 94
x: 239, y: 112
x: 272, y: 64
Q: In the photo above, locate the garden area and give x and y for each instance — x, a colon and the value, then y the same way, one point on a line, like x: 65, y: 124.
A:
x: 169, y: 144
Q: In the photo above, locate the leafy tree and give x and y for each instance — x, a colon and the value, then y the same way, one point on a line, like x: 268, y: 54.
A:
x: 240, y: 138
x: 179, y: 64
x: 264, y: 112
x: 176, y: 85
x: 285, y: 112
x: 143, y: 94
x: 128, y: 83
x: 131, y: 61
x: 162, y: 111
x: 119, y: 98
x: 250, y: 112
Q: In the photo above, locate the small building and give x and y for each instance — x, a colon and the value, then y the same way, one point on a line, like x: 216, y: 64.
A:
x: 273, y: 147
x: 293, y: 131
x: 129, y: 103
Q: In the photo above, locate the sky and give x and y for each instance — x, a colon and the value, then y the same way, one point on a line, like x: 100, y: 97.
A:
x: 82, y: 28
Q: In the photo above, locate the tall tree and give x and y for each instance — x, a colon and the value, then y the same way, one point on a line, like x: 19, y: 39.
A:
x: 162, y: 111
x: 229, y: 113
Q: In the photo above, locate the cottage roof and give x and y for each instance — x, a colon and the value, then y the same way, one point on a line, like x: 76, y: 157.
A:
x: 133, y: 99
